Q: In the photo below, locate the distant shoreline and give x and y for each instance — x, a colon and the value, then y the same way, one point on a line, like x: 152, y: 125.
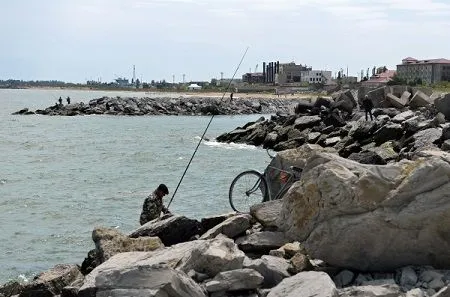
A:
x: 204, y: 93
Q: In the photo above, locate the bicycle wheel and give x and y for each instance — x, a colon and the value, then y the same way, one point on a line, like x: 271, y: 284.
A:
x: 247, y: 189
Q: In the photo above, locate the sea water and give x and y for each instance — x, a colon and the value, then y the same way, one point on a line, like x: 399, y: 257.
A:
x: 62, y: 176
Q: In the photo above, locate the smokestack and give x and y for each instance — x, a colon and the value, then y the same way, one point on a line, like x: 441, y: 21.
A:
x: 264, y: 71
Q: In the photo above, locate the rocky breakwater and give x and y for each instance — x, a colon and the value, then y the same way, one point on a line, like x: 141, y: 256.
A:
x: 344, y: 229
x: 396, y: 132
x: 167, y: 106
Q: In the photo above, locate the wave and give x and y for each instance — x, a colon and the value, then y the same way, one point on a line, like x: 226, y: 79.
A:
x: 229, y: 146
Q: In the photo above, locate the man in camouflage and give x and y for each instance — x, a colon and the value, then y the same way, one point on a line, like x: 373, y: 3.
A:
x: 153, y: 205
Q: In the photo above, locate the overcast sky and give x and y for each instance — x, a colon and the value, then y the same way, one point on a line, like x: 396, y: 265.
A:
x: 76, y: 40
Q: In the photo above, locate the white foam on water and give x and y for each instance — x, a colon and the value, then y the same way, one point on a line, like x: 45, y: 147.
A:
x: 229, y: 146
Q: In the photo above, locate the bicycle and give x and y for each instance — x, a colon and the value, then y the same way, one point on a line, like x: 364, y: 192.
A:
x: 251, y: 187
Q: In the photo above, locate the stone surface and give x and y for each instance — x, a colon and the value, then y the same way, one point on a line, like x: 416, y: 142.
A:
x: 305, y: 284
x: 419, y: 100
x: 235, y: 280
x: 401, y: 117
x: 212, y: 221
x: 267, y: 213
x: 231, y: 227
x: 371, y: 291
x: 109, y: 241
x: 343, y: 278
x: 145, y: 280
x: 408, y: 278
x: 51, y: 282
x: 363, y: 216
x: 261, y: 242
x: 273, y: 269
x: 172, y: 230
x: 299, y: 262
x: 214, y: 256
x: 395, y: 101
x: 442, y: 104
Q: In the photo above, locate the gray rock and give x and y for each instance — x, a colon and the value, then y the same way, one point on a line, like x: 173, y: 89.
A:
x: 343, y: 278
x: 444, y: 292
x: 419, y: 100
x: 171, y: 230
x: 442, y: 104
x: 401, y: 117
x: 371, y: 291
x: 306, y: 122
x: 51, y: 282
x: 212, y: 221
x: 332, y: 141
x: 231, y: 227
x: 305, y: 284
x: 395, y: 101
x: 234, y: 280
x: 346, y: 213
x: 261, y: 242
x: 417, y: 292
x: 388, y: 132
x: 426, y: 137
x: 154, y: 280
x: 408, y: 278
x: 273, y: 269
x: 214, y: 256
x: 267, y: 213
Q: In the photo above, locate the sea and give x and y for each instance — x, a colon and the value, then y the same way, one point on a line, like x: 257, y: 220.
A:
x: 60, y: 177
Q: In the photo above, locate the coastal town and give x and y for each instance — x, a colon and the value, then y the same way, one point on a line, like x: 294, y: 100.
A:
x: 281, y: 78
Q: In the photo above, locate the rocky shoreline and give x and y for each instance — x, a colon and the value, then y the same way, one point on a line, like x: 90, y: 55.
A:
x: 344, y: 229
x: 403, y: 123
x: 370, y: 216
x: 194, y: 106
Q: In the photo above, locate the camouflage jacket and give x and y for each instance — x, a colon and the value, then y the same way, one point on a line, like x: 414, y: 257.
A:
x: 153, y: 205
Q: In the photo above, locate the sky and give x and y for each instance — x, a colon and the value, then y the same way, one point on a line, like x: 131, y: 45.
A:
x: 79, y: 40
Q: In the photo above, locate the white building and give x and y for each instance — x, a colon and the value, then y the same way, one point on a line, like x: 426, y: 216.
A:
x: 193, y: 87
x: 316, y: 76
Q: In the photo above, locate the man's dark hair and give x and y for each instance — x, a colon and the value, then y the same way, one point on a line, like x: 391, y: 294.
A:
x: 163, y: 188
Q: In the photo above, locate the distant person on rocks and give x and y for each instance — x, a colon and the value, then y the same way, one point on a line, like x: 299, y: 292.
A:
x: 68, y: 100
x: 153, y: 205
x: 60, y: 100
x: 231, y: 96
x: 368, y: 106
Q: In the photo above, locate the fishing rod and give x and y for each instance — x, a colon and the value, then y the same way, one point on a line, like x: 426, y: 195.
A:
x: 206, y: 129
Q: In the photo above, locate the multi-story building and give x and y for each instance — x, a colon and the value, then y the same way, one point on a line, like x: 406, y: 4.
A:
x: 316, y: 76
x: 429, y: 71
x: 253, y: 77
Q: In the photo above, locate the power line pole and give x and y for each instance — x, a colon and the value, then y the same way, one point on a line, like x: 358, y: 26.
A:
x: 184, y: 76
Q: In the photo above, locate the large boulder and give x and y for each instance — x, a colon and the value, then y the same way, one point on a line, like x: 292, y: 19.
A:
x: 109, y: 241
x: 51, y: 282
x: 443, y: 105
x: 171, y: 230
x: 267, y: 213
x: 273, y: 269
x: 305, y: 284
x: 419, y: 100
x: 261, y: 242
x: 231, y: 227
x: 395, y: 101
x: 214, y: 256
x: 375, y: 291
x: 146, y: 280
x: 235, y: 280
x: 368, y: 217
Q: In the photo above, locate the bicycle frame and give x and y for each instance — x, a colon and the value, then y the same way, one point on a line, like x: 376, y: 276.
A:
x: 286, y: 184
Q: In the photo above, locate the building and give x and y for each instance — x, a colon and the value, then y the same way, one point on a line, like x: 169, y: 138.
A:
x: 122, y: 82
x: 379, y: 78
x: 290, y: 73
x: 428, y: 71
x: 316, y: 76
x: 193, y: 87
x: 253, y: 78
